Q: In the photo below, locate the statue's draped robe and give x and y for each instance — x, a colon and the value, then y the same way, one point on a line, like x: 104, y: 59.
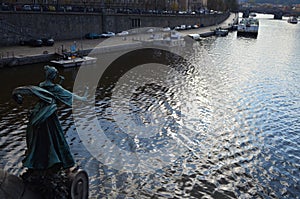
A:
x: 46, y: 144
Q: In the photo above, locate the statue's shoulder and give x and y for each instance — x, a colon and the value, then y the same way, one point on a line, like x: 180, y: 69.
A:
x: 50, y: 86
x: 46, y: 84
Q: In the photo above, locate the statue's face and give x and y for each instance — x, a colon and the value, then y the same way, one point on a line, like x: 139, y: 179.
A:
x: 55, y: 76
x: 51, y: 73
x: 18, y: 98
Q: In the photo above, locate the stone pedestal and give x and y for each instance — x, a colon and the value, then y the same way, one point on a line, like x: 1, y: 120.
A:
x: 12, y: 187
x: 42, y: 185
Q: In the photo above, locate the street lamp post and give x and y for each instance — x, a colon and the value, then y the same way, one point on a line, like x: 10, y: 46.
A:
x: 84, y: 5
x: 102, y: 6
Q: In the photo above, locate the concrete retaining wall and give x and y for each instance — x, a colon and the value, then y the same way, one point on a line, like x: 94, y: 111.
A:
x: 60, y: 26
x: 15, y: 26
x: 118, y: 23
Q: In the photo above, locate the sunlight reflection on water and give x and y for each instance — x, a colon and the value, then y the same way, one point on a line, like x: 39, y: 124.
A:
x: 242, y: 110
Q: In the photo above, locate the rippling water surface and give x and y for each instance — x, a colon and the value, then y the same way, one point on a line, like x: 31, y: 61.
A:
x: 236, y: 115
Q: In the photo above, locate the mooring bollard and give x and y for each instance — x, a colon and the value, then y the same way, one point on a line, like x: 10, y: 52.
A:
x: 79, y: 184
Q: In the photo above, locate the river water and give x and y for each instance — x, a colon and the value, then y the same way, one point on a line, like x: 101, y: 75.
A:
x: 239, y: 111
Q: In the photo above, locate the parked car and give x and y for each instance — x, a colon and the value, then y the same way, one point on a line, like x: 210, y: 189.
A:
x: 48, y: 41
x: 92, y: 36
x: 107, y: 34
x: 27, y: 8
x: 52, y: 8
x: 90, y: 9
x: 123, y: 33
x: 150, y: 30
x: 177, y: 28
x: 166, y: 29
x: 78, y: 9
x: 182, y: 12
x: 45, y: 8
x: 36, y: 8
x: 5, y: 7
x: 68, y: 8
x: 18, y: 8
x: 32, y: 42
x: 35, y: 42
x: 61, y: 9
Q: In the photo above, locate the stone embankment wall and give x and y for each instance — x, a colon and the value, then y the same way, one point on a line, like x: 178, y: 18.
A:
x: 16, y: 26
x: 61, y: 26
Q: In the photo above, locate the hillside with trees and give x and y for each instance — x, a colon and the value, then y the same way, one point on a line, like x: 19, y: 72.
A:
x: 286, y: 2
x: 222, y: 5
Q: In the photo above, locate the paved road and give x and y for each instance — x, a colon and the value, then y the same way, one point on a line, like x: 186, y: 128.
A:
x: 24, y: 51
x: 225, y: 24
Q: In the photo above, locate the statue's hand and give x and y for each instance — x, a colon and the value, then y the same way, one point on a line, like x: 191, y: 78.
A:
x: 84, y: 97
x: 86, y: 92
x: 18, y: 98
x: 61, y: 79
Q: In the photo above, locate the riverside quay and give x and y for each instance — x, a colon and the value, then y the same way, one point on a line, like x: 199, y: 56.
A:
x: 64, y: 22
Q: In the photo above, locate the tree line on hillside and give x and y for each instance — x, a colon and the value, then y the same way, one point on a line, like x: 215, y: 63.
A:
x: 286, y: 2
x: 222, y: 5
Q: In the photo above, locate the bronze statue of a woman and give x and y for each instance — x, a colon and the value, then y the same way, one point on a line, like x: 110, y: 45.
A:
x: 46, y: 145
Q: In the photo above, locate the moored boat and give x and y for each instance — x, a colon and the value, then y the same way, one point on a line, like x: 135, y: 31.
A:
x: 74, y: 61
x: 293, y: 20
x: 248, y: 27
x: 221, y: 32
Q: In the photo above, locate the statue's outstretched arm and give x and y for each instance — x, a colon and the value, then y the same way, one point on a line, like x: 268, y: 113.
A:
x: 84, y: 97
x: 18, y: 92
x: 31, y: 90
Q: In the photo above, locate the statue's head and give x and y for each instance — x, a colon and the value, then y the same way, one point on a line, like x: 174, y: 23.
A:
x: 51, y: 72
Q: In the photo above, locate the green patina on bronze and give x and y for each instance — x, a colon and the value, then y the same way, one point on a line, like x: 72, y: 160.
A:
x: 46, y: 144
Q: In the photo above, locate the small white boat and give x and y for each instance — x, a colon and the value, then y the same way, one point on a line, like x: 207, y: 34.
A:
x: 172, y: 39
x: 293, y: 20
x: 195, y: 36
x: 74, y: 61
